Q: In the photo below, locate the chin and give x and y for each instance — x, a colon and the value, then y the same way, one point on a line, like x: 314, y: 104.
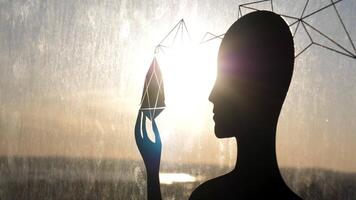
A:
x: 223, y: 132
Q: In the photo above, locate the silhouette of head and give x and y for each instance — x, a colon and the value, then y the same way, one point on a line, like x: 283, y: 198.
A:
x: 255, y: 67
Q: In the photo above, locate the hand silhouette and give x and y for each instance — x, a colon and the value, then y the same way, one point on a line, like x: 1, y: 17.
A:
x: 151, y: 154
x: 150, y: 151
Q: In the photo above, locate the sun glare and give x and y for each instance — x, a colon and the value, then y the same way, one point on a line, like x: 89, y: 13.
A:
x: 170, y: 178
x: 189, y: 71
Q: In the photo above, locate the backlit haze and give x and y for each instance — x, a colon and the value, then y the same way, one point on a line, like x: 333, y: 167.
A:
x: 72, y: 75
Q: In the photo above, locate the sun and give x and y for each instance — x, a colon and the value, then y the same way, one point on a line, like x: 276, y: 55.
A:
x: 189, y: 72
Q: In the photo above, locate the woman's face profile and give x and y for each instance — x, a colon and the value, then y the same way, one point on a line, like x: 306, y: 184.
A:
x: 234, y: 94
x: 231, y: 98
x: 224, y: 109
x: 255, y: 66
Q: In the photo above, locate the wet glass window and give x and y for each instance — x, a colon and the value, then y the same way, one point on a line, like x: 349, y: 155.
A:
x: 72, y: 76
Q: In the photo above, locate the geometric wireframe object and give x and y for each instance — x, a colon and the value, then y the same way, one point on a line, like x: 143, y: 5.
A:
x: 300, y: 22
x: 210, y: 36
x: 152, y: 102
x: 179, y: 31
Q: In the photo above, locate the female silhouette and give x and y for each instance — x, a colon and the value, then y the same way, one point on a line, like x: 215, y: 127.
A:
x: 255, y: 67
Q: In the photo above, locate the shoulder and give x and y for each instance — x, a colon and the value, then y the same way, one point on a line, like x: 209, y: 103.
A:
x: 211, y: 189
x: 203, y: 191
x: 227, y: 187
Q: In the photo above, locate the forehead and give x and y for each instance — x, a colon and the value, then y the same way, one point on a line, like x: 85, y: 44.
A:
x: 245, y: 62
x: 238, y: 53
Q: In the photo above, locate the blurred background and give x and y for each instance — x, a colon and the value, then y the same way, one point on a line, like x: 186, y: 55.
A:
x: 71, y: 80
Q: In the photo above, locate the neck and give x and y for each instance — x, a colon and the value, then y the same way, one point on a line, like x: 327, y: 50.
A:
x: 257, y: 156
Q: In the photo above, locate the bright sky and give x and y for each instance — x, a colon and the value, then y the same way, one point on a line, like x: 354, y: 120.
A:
x: 72, y: 75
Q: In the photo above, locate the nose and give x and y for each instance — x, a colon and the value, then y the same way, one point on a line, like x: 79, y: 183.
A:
x: 212, y: 95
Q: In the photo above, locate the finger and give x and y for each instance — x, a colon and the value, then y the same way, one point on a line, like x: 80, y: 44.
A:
x: 138, y: 128
x: 144, y: 130
x: 156, y: 132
